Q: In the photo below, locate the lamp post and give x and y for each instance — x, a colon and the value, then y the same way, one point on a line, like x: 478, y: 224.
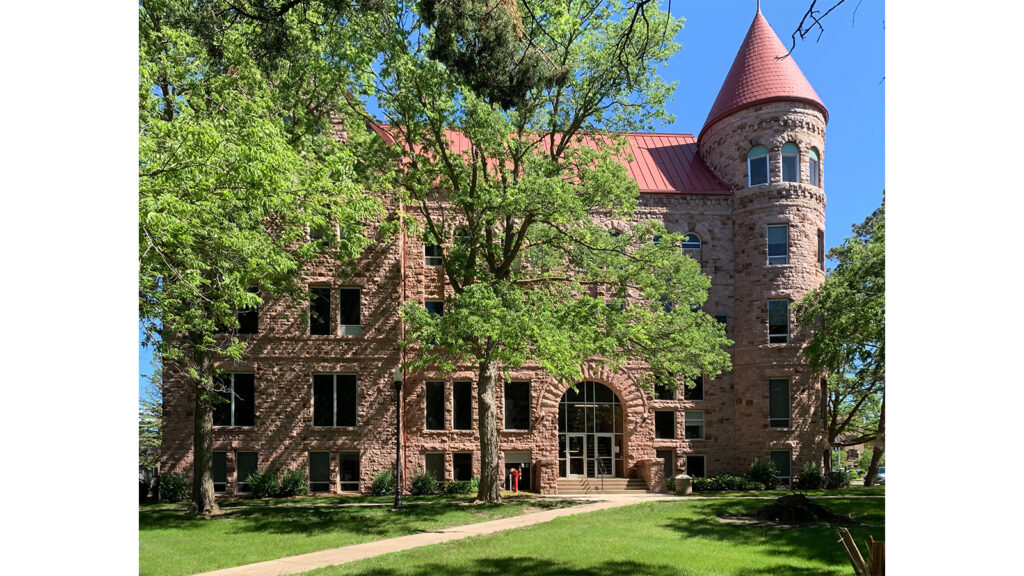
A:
x: 398, y: 437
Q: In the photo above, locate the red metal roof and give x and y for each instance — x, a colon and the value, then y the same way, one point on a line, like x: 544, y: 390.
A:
x: 759, y: 75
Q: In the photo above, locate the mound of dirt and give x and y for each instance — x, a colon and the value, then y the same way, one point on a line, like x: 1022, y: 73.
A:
x: 799, y: 508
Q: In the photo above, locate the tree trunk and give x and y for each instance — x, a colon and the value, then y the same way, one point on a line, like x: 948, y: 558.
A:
x: 203, y: 502
x: 828, y: 459
x: 490, y: 476
x: 878, y: 449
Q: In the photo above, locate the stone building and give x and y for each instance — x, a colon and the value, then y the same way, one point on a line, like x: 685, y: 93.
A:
x: 748, y: 191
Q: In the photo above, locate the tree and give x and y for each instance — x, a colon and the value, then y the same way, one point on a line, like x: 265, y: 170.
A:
x: 535, y: 277
x: 238, y: 160
x: 849, y: 308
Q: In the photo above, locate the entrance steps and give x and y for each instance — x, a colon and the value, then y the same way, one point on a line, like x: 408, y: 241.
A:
x: 594, y: 486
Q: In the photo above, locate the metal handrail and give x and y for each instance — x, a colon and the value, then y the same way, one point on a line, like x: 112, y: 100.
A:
x: 602, y: 471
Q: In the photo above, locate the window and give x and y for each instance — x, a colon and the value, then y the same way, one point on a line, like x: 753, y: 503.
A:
x: 778, y: 244
x: 462, y: 405
x: 695, y: 393
x: 814, y: 167
x: 220, y: 472
x: 790, y: 163
x: 239, y: 405
x: 657, y: 239
x: 321, y: 233
x: 696, y: 466
x: 664, y: 424
x: 691, y: 242
x: 245, y: 465
x: 778, y: 321
x: 435, y: 307
x: 319, y: 471
x: 349, y: 303
x: 432, y: 255
x: 517, y: 405
x: 334, y: 400
x: 821, y: 249
x: 757, y: 166
x: 435, y: 405
x: 664, y: 387
x: 694, y: 424
x: 348, y: 471
x: 319, y: 310
x: 462, y: 463
x: 669, y: 456
x: 778, y: 403
x: 435, y: 465
x: 249, y: 317
x: 783, y: 460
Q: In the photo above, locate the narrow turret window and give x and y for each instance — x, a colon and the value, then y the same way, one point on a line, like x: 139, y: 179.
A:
x: 691, y: 242
x: 790, y: 163
x: 814, y: 167
x: 778, y: 244
x: 778, y: 321
x: 757, y: 166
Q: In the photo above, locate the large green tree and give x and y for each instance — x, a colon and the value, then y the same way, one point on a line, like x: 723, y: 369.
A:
x: 238, y: 159
x: 849, y: 343
x: 535, y: 277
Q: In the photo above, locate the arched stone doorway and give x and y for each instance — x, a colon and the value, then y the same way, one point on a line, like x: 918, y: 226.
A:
x: 590, y: 432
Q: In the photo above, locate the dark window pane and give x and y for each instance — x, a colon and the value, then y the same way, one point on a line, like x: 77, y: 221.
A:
x: 697, y: 392
x: 222, y: 409
x: 220, y: 471
x: 695, y: 467
x: 435, y: 405
x: 319, y: 310
x: 348, y: 471
x: 462, y: 411
x: 576, y: 418
x: 245, y: 464
x: 778, y: 321
x: 435, y: 307
x: 664, y: 424
x: 248, y: 319
x: 664, y: 388
x: 778, y: 244
x: 691, y: 242
x: 812, y: 166
x: 435, y: 465
x: 758, y: 171
x: 245, y: 400
x: 821, y: 249
x: 789, y: 168
x: 463, y: 465
x: 669, y: 457
x: 348, y: 303
x: 694, y: 425
x: 432, y: 255
x: 723, y: 320
x: 346, y: 400
x: 782, y: 461
x: 603, y: 393
x: 603, y: 415
x: 323, y: 400
x: 319, y: 471
x: 778, y: 403
x: 517, y: 405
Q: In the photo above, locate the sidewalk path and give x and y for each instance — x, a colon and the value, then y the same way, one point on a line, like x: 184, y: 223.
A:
x: 331, y: 557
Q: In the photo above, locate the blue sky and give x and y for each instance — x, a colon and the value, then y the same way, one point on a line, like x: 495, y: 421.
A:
x: 846, y: 67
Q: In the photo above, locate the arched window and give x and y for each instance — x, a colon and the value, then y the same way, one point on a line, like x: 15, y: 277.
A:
x: 790, y: 163
x: 814, y: 167
x: 691, y: 242
x: 757, y: 166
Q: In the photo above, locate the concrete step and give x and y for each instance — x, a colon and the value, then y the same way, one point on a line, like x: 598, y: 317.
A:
x: 595, y: 486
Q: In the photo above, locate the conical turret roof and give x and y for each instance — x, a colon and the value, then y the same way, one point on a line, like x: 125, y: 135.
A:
x: 758, y: 75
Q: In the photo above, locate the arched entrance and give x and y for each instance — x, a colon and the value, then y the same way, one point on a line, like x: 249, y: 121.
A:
x: 590, y: 424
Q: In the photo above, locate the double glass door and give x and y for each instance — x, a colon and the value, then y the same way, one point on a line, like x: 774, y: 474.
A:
x: 590, y: 455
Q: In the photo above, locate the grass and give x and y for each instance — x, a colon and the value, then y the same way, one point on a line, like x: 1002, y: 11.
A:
x: 667, y: 538
x: 851, y: 491
x: 171, y: 543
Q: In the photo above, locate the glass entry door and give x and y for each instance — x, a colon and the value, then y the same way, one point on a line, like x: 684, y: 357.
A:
x: 605, y: 454
x: 577, y: 454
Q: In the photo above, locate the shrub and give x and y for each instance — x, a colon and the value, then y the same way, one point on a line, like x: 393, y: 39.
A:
x: 836, y: 479
x: 765, y: 472
x: 264, y: 484
x: 720, y: 482
x: 383, y: 483
x: 670, y: 484
x: 423, y: 484
x: 810, y: 477
x: 474, y: 484
x: 294, y: 482
x: 174, y: 487
x: 455, y: 487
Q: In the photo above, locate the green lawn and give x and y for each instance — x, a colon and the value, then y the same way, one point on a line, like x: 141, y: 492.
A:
x: 172, y: 544
x: 682, y: 538
x: 851, y: 491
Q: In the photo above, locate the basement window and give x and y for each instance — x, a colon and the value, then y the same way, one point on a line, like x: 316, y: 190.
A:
x: 696, y: 466
x: 783, y: 460
x: 348, y: 471
x: 245, y: 466
x: 462, y: 463
x: 434, y: 462
x: 319, y: 471
x: 220, y: 472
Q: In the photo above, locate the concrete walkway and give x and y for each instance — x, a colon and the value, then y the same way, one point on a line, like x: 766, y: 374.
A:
x: 334, y: 556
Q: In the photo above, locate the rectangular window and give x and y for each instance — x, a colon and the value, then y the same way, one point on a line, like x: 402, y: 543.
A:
x: 462, y: 463
x: 435, y: 307
x: 517, y: 405
x: 238, y: 407
x: 334, y: 400
x: 319, y: 310
x: 669, y: 456
x: 432, y: 255
x: 435, y: 464
x: 349, y: 300
x: 790, y: 166
x: 245, y: 464
x: 249, y: 318
x: 778, y: 244
x: 758, y: 170
x: 783, y: 460
x: 821, y: 249
x: 695, y: 393
x: 435, y: 405
x: 462, y: 405
x: 664, y: 387
x: 695, y: 466
x: 220, y: 472
x: 778, y: 321
x: 664, y: 424
x: 778, y: 403
x: 348, y: 471
x: 694, y: 424
x: 319, y: 471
